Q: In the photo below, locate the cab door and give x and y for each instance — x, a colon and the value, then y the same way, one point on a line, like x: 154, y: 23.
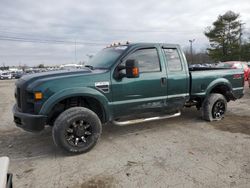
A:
x: 147, y: 93
x: 178, y: 79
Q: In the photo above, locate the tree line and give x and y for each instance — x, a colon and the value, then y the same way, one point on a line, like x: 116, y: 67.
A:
x: 226, y: 41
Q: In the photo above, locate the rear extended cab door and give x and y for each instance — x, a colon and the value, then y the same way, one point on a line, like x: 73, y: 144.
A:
x: 178, y: 79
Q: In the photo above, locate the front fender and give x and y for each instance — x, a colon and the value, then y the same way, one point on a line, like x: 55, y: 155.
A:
x: 217, y: 82
x: 73, y: 92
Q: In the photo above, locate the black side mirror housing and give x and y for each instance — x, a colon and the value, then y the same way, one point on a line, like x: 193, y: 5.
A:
x: 132, y: 68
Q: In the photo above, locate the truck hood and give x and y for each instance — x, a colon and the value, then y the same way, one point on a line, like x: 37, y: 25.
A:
x: 50, y: 74
x: 41, y: 77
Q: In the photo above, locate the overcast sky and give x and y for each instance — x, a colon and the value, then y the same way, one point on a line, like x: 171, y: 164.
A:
x: 52, y: 27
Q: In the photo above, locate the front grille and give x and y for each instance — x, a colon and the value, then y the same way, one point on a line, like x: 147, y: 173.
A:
x: 24, y: 100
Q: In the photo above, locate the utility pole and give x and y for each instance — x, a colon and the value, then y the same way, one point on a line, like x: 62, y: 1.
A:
x: 75, y: 51
x: 191, y: 50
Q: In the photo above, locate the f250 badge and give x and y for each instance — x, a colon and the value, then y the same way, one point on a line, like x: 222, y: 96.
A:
x: 237, y: 76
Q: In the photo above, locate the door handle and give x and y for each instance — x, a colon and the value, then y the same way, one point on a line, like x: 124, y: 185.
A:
x: 163, y: 81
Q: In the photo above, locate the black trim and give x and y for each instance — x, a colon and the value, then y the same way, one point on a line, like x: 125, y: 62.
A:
x: 29, y: 122
x: 9, y: 183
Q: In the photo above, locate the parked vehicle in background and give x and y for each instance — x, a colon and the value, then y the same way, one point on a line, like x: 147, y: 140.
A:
x: 17, y: 75
x: 239, y: 65
x: 249, y: 81
x: 6, y: 76
x: 248, y: 64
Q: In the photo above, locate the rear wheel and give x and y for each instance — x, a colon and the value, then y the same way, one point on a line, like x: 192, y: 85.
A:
x: 77, y: 130
x: 214, y: 107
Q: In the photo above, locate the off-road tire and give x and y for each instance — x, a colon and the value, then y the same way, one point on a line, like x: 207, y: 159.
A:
x: 208, y: 107
x: 68, y: 119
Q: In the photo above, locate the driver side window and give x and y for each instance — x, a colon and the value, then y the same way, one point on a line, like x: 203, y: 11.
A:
x: 148, y: 60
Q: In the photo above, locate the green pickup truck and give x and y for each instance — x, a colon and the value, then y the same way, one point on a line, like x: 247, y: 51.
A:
x: 122, y: 84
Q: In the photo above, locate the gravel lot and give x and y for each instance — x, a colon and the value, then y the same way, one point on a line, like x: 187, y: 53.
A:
x: 180, y: 152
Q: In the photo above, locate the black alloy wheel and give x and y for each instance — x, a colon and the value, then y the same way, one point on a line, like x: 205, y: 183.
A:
x: 218, y: 110
x: 78, y: 133
x: 214, y: 107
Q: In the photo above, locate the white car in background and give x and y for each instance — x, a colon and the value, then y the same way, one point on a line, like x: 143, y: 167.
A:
x: 6, y: 76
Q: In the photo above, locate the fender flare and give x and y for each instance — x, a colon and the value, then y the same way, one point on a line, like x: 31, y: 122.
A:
x: 74, y: 92
x: 218, y: 82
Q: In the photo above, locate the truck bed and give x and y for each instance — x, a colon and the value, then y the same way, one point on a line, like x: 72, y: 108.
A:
x: 203, y: 81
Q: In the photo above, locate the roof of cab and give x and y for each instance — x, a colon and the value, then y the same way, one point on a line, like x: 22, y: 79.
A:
x: 154, y: 44
x: 145, y: 44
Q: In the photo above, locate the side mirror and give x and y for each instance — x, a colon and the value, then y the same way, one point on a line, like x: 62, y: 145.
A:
x: 132, y: 68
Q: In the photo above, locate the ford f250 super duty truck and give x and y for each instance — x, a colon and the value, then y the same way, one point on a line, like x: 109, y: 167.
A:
x: 123, y: 84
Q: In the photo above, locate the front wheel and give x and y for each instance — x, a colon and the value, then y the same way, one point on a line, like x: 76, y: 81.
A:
x: 214, y: 107
x: 77, y: 130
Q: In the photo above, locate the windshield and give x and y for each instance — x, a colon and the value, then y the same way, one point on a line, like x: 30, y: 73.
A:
x: 106, y: 57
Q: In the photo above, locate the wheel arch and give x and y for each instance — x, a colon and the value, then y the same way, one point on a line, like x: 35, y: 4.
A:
x: 81, y: 94
x: 222, y: 86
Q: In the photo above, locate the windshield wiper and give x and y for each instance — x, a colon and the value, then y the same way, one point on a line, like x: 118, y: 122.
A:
x: 90, y: 67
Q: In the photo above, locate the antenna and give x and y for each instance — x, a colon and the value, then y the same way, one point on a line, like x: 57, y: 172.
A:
x: 75, y: 51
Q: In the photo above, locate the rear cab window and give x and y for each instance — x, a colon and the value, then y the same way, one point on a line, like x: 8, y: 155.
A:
x: 173, y: 59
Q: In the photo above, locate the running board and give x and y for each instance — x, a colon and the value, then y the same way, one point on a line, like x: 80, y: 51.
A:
x: 135, y: 121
